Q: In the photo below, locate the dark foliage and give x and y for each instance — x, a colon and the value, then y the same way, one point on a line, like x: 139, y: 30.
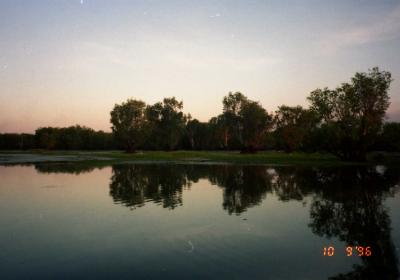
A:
x: 73, y: 138
x: 14, y: 141
x: 347, y: 121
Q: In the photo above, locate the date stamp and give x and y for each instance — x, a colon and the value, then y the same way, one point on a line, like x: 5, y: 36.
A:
x: 360, y: 251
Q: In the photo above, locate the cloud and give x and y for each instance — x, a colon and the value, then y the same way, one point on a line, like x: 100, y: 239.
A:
x: 215, y: 15
x: 203, y: 61
x: 385, y: 28
x: 172, y: 54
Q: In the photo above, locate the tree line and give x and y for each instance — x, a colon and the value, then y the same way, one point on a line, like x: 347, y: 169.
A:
x: 56, y: 138
x: 347, y: 121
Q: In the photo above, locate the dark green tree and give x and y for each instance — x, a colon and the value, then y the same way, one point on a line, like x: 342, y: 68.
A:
x: 389, y: 139
x: 219, y: 133
x: 354, y: 111
x: 46, y: 138
x: 256, y: 123
x: 231, y: 120
x: 166, y: 123
x: 128, y: 122
x: 197, y: 135
x: 292, y: 126
x: 245, y: 122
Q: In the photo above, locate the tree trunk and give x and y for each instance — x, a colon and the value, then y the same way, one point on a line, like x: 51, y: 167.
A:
x: 226, y: 139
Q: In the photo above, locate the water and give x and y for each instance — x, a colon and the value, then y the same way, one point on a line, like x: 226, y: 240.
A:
x: 68, y: 221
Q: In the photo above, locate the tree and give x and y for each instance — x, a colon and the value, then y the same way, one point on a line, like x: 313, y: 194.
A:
x: 128, y: 121
x: 293, y: 124
x: 71, y: 138
x: 389, y: 139
x: 218, y: 132
x: 192, y: 129
x: 256, y: 123
x: 14, y: 141
x: 197, y: 135
x: 166, y: 123
x: 354, y: 111
x: 245, y: 122
x: 46, y: 138
x: 233, y: 127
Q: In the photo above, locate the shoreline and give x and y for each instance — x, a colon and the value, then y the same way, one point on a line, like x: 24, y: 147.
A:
x: 176, y: 157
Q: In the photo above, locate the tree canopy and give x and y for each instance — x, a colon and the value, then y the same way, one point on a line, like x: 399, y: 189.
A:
x: 355, y: 112
x: 347, y: 121
x: 128, y: 122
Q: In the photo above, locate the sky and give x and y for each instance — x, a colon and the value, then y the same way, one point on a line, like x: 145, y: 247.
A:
x: 67, y: 62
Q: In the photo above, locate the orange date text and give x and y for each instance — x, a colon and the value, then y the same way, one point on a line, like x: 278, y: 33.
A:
x: 361, y: 251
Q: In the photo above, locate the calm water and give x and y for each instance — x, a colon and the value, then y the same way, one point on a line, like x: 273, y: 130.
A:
x: 63, y: 221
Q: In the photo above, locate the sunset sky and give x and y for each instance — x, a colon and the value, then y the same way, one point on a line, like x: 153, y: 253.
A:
x: 66, y: 62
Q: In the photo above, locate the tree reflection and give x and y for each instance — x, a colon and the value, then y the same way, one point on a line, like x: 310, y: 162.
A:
x: 349, y: 206
x: 243, y: 186
x: 133, y: 185
x: 292, y: 183
x: 65, y: 167
x: 347, y: 203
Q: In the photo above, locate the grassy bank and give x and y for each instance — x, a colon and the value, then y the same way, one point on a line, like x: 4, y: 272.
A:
x: 175, y: 156
x: 111, y: 157
x: 234, y: 157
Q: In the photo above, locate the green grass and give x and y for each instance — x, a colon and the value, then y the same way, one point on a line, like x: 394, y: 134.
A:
x: 265, y: 157
x: 271, y: 157
x: 211, y: 156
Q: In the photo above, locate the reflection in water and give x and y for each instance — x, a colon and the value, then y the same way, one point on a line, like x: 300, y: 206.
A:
x: 357, y: 216
x: 133, y: 185
x: 72, y: 168
x: 346, y: 202
x: 243, y: 186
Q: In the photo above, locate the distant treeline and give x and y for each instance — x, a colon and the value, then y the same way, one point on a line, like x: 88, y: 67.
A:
x: 196, y: 136
x: 347, y: 121
x: 55, y: 138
